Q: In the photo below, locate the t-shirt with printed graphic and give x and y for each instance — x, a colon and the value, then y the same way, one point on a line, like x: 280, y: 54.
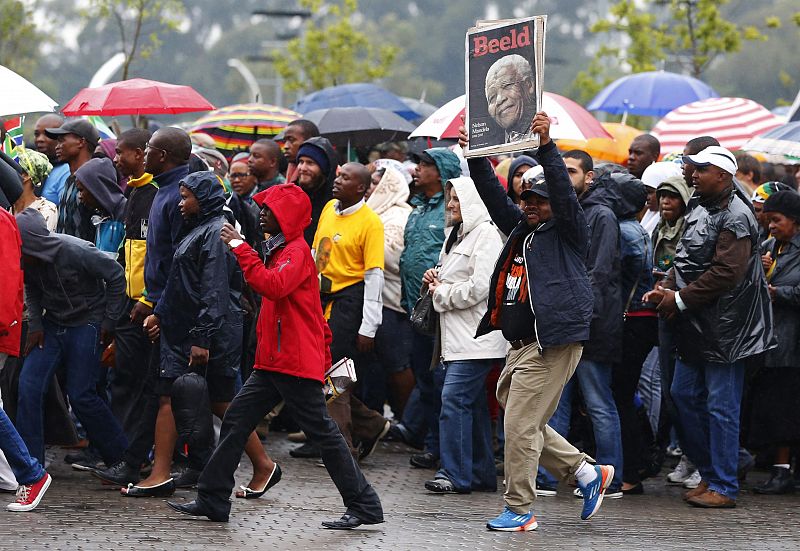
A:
x: 346, y: 246
x: 516, y: 315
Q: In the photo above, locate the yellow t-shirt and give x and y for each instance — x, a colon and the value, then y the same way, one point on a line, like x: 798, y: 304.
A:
x: 346, y: 246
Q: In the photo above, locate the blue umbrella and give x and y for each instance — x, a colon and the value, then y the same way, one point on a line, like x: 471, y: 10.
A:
x: 354, y: 95
x: 654, y: 93
x: 784, y: 140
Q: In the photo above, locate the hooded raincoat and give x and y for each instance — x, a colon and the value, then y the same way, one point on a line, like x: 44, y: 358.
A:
x: 200, y: 303
x: 424, y: 233
x: 738, y: 323
x: 389, y: 202
x: 73, y: 283
x: 667, y: 236
x: 11, y: 281
x: 99, y: 177
x: 467, y: 261
x: 293, y: 336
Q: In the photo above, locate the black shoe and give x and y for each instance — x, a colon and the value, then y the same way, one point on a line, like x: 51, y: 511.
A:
x: 306, y: 451
x: 366, y: 447
x: 780, y: 482
x: 86, y: 460
x: 424, y: 461
x: 347, y: 522
x: 165, y: 489
x: 636, y: 490
x: 196, y: 510
x: 119, y: 474
x: 187, y: 478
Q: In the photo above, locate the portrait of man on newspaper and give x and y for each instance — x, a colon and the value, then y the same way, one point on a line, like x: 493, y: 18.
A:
x: 511, y: 96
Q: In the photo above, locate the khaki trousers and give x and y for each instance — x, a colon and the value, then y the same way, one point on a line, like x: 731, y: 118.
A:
x: 528, y: 390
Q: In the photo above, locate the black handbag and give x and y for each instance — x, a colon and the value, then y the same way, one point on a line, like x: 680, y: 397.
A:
x: 191, y: 408
x: 424, y: 317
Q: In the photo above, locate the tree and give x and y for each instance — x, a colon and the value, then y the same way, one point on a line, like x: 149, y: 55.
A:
x: 19, y: 47
x: 694, y: 35
x: 331, y: 51
x: 139, y: 23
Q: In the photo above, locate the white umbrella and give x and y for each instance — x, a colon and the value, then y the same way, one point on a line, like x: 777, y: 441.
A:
x: 18, y: 96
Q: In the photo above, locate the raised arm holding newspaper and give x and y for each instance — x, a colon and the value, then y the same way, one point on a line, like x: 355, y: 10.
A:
x: 542, y: 302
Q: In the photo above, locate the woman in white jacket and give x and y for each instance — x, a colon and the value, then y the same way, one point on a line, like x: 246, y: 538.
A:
x: 460, y: 290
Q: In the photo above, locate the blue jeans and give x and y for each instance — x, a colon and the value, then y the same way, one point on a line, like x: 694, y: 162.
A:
x: 594, y: 379
x: 26, y: 469
x: 421, y: 413
x: 77, y: 349
x: 708, y: 398
x: 465, y: 431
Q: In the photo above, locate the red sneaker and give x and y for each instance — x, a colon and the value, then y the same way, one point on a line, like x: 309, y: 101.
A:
x: 29, y: 496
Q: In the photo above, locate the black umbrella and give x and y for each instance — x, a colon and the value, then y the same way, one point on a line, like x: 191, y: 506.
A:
x: 359, y: 126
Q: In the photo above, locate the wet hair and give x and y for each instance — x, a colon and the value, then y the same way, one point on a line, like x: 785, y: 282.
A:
x: 134, y: 138
x: 585, y: 159
x: 307, y: 128
x: 696, y: 145
x: 748, y: 163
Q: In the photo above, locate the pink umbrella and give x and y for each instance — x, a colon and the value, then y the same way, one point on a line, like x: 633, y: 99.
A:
x: 569, y: 120
x: 732, y: 121
x: 136, y: 96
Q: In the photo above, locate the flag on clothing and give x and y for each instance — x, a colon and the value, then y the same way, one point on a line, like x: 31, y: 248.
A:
x: 13, y: 134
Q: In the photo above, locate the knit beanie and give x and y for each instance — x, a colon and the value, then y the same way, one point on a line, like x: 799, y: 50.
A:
x: 317, y: 155
x: 786, y: 203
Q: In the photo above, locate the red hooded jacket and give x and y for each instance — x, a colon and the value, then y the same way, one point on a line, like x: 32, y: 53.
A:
x: 293, y: 336
x: 11, y: 284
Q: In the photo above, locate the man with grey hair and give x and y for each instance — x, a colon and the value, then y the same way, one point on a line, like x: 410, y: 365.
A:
x: 511, y: 97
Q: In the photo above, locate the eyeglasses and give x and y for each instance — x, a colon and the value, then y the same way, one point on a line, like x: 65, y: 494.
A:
x: 238, y: 175
x: 151, y: 146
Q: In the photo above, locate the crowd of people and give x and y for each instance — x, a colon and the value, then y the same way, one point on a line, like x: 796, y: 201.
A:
x: 516, y: 322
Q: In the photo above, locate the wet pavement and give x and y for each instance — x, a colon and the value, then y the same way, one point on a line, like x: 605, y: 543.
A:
x: 79, y: 513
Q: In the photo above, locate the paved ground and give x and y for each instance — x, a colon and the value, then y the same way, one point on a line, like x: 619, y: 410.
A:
x: 78, y: 513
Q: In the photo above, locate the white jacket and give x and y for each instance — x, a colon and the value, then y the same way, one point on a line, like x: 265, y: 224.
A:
x: 465, y: 273
x: 389, y: 200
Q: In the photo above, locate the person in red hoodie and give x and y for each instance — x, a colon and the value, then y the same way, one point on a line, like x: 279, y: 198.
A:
x: 31, y: 476
x: 292, y: 354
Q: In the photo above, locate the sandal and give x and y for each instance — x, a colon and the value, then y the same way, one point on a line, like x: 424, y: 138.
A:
x: 248, y: 493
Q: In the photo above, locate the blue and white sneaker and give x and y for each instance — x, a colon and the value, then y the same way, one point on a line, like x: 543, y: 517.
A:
x: 593, y: 492
x: 509, y: 521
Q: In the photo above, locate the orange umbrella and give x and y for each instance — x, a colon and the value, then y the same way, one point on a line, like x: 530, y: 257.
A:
x: 606, y: 149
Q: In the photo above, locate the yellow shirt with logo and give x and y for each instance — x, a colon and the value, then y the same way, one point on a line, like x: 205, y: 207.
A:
x: 346, y: 246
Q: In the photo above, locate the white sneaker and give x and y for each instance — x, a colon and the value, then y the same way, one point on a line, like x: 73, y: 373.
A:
x: 545, y: 492
x: 693, y: 481
x: 682, y: 471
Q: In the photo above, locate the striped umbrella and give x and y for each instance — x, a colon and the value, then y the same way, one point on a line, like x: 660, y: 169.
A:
x: 783, y: 140
x: 732, y: 121
x: 236, y: 127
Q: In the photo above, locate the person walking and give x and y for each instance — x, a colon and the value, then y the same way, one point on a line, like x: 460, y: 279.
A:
x: 544, y: 255
x: 292, y: 355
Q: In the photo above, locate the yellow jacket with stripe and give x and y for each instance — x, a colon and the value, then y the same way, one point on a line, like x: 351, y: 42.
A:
x: 137, y: 213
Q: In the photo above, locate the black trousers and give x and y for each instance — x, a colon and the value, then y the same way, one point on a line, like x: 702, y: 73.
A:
x: 131, y: 364
x: 639, y: 337
x: 142, y: 435
x: 305, y: 402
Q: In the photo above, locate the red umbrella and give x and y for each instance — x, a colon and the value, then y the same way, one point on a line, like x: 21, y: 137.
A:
x: 568, y: 120
x: 136, y: 96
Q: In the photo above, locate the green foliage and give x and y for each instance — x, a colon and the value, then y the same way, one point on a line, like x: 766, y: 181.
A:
x: 19, y: 45
x: 139, y: 24
x: 694, y: 33
x: 332, y: 51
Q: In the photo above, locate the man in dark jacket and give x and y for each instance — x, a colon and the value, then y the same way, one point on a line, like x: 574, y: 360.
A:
x: 293, y: 354
x: 717, y: 299
x: 604, y: 346
x: 74, y: 294
x: 542, y: 302
x: 99, y: 193
x: 316, y: 170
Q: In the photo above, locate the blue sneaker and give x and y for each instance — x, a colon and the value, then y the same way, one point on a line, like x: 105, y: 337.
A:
x: 509, y: 521
x: 593, y: 492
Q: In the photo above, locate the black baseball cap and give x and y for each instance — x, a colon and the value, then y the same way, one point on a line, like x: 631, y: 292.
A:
x: 425, y: 157
x: 539, y: 188
x: 79, y: 127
